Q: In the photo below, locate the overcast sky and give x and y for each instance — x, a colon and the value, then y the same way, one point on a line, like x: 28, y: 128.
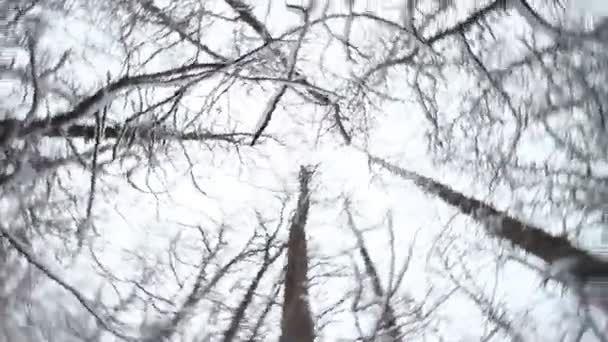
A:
x: 238, y: 184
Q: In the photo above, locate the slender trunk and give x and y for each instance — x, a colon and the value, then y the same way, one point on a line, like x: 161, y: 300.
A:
x: 296, y: 322
x: 584, y: 266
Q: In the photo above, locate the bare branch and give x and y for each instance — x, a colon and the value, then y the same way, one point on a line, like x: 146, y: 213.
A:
x: 24, y: 250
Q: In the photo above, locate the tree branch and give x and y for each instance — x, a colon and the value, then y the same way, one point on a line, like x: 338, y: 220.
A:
x: 24, y: 250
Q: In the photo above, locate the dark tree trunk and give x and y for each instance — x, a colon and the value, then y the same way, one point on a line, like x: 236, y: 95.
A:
x: 585, y: 266
x: 296, y: 323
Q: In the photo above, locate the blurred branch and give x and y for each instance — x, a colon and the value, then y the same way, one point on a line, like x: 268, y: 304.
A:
x: 239, y: 314
x: 24, y: 250
x: 105, y: 95
x: 171, y: 24
x: 199, y: 291
x: 471, y: 20
x: 144, y: 132
x: 388, y: 316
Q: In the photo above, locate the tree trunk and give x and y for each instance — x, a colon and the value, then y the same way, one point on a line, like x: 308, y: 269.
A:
x: 296, y: 322
x: 584, y: 266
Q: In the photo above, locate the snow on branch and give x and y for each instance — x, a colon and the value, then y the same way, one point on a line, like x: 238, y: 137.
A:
x: 105, y: 95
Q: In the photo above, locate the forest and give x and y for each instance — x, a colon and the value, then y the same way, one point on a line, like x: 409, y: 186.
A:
x: 303, y: 170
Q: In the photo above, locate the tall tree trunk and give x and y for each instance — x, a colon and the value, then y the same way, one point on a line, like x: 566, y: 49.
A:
x: 296, y: 321
x: 583, y: 266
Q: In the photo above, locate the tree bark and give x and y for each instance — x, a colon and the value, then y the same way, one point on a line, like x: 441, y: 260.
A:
x: 585, y: 267
x: 296, y: 323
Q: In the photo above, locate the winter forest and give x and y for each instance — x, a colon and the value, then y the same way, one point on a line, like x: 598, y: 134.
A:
x: 303, y: 170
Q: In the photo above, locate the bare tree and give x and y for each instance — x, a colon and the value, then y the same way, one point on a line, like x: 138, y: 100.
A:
x: 533, y: 240
x: 165, y: 91
x: 296, y: 319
